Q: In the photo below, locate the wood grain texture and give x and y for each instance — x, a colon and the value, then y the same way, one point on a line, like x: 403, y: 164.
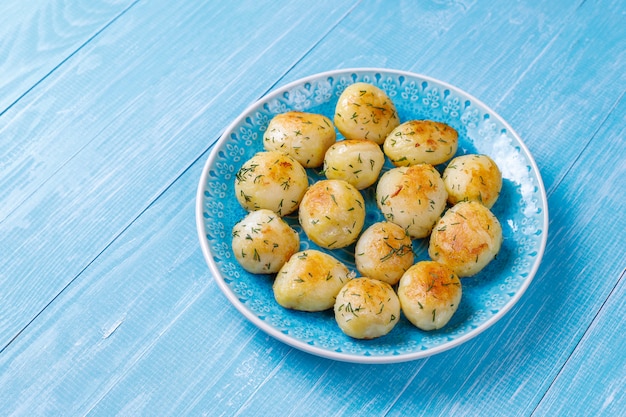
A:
x: 122, y: 109
x: 595, y: 376
x: 115, y: 314
x: 592, y: 381
x: 36, y: 37
x: 101, y: 246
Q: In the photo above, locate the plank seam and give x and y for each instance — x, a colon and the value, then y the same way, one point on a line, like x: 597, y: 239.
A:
x: 107, y: 245
x: 538, y: 57
x: 143, y: 352
x: 61, y: 167
x: 401, y: 391
x: 580, y: 340
x: 556, y: 185
x: 558, y: 182
x: 307, y: 53
x: 67, y: 58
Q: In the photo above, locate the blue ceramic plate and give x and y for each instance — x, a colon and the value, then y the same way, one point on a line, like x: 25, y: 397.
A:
x: 521, y: 209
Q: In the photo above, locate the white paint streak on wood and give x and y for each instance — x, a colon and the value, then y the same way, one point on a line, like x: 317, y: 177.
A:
x: 107, y: 332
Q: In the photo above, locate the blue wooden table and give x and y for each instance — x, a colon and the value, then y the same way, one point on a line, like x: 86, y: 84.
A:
x: 108, y: 112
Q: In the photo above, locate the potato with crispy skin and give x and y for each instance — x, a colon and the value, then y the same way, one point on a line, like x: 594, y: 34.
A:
x: 332, y: 213
x: 412, y: 197
x: 303, y: 136
x: 429, y: 294
x: 473, y: 178
x: 364, y: 111
x: 357, y: 161
x: 421, y: 142
x: 367, y: 308
x: 310, y: 281
x: 271, y: 180
x: 263, y: 242
x: 384, y: 252
x: 466, y: 238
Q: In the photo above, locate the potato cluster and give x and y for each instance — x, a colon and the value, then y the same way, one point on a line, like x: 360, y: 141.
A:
x: 451, y: 210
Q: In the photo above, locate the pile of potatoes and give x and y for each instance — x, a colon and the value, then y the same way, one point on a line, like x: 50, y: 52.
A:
x: 452, y: 210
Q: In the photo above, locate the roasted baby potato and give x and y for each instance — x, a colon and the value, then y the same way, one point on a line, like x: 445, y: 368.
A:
x: 303, y: 136
x: 364, y: 111
x: 421, y: 142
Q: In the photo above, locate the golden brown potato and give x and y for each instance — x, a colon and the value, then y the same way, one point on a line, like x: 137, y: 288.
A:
x: 310, y: 281
x: 357, y: 161
x: 466, y: 238
x: 412, y: 197
x: 271, y: 180
x: 263, y: 242
x: 473, y: 178
x: 421, y: 142
x: 364, y: 111
x: 384, y: 252
x: 332, y: 213
x: 367, y: 308
x: 429, y: 294
x: 303, y: 136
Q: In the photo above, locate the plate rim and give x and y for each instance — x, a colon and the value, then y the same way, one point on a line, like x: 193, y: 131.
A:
x: 277, y: 90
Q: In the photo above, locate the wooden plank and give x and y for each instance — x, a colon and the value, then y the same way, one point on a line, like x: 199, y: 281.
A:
x: 484, y: 51
x: 592, y: 381
x: 38, y: 36
x: 101, y: 133
x: 608, y: 397
x: 115, y: 313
